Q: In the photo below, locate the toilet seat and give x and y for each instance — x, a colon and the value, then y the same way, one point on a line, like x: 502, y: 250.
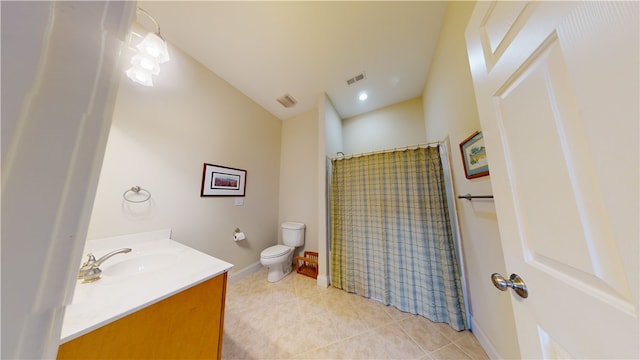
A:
x: 274, y: 251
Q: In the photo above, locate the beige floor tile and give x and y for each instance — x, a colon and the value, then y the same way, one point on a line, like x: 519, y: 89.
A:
x: 396, y: 343
x: 427, y: 357
x: 396, y: 314
x: 306, y: 307
x: 348, y: 324
x: 363, y: 346
x: 244, y: 345
x: 370, y: 311
x: 449, y: 332
x: 470, y: 345
x: 318, y: 331
x: 295, y: 319
x: 332, y: 351
x: 424, y: 332
x: 449, y: 352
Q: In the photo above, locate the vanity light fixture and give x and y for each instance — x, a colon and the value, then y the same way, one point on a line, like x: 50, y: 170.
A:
x: 151, y: 52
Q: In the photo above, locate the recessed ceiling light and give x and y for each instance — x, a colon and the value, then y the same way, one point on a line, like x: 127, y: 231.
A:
x: 363, y: 96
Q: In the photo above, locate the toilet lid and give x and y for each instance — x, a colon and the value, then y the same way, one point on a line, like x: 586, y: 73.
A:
x: 274, y: 251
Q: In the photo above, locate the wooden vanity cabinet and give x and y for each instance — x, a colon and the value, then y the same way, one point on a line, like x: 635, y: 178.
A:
x: 187, y: 325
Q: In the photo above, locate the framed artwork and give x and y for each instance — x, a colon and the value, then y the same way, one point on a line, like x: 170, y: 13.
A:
x: 222, y: 181
x: 474, y: 156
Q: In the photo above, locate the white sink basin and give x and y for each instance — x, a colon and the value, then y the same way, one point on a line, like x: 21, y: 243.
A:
x: 138, y: 264
x: 155, y: 269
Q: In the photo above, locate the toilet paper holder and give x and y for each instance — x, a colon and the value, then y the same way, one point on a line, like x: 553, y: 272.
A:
x: 238, y: 235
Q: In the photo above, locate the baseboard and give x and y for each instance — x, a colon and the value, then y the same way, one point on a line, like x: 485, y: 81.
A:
x: 484, y: 340
x: 323, y: 281
x: 242, y: 273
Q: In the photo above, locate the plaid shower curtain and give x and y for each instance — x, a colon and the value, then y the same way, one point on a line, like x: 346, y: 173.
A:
x: 391, y: 237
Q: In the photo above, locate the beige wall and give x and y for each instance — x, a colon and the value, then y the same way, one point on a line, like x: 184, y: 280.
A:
x: 450, y: 111
x: 160, y: 138
x: 333, y: 129
x: 299, y: 175
x: 396, y: 125
x: 329, y: 143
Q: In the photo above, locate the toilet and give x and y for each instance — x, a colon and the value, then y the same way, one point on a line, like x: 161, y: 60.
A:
x: 279, y: 258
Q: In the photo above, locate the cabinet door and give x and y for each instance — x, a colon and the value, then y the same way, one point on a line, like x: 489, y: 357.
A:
x: 187, y: 325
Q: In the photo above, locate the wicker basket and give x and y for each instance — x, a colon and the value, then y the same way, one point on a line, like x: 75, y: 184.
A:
x: 308, y: 264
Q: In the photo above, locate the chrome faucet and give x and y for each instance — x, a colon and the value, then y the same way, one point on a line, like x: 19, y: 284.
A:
x: 90, y: 270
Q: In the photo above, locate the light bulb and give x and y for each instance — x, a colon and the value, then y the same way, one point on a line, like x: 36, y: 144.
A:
x: 155, y: 47
x: 146, y: 64
x: 152, y: 51
x: 139, y: 76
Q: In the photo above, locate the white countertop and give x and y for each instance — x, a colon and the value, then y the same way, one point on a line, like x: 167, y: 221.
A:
x: 156, y: 268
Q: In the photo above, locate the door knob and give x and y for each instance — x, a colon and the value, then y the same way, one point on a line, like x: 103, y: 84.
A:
x: 515, y: 282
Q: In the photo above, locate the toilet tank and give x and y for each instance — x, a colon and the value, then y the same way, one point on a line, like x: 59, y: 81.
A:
x: 293, y: 233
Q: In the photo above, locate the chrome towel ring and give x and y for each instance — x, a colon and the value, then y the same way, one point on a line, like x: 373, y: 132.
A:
x: 136, y: 190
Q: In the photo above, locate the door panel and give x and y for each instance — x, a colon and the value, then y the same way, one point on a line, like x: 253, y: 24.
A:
x: 499, y: 23
x: 536, y: 114
x: 545, y: 92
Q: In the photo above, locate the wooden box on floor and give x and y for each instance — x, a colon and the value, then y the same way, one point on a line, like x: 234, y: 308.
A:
x: 308, y: 264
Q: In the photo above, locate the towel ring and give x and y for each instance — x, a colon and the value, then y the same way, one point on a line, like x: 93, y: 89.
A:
x: 136, y: 190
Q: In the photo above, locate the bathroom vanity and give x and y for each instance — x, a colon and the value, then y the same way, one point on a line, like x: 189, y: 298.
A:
x: 163, y: 300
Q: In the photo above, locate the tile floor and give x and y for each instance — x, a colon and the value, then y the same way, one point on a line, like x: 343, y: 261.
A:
x: 296, y: 319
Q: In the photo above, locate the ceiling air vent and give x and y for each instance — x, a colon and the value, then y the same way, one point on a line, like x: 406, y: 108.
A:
x: 356, y: 78
x: 287, y: 101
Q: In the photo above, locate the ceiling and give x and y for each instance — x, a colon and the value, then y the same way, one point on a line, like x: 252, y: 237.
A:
x: 305, y: 49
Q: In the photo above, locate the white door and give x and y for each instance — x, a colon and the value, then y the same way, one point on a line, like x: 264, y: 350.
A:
x: 557, y: 92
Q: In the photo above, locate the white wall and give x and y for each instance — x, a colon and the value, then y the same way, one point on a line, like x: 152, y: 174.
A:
x: 450, y: 111
x: 299, y: 175
x: 160, y: 138
x: 396, y: 125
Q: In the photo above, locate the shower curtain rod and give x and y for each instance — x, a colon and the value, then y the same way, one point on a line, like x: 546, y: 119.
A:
x: 342, y: 156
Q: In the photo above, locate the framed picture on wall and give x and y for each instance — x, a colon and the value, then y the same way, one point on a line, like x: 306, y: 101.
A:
x: 222, y: 181
x: 474, y: 156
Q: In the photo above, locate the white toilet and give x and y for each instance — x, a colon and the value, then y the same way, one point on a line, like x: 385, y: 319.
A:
x: 279, y: 258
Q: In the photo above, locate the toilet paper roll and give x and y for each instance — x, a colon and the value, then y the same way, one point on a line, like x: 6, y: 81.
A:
x: 239, y: 236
